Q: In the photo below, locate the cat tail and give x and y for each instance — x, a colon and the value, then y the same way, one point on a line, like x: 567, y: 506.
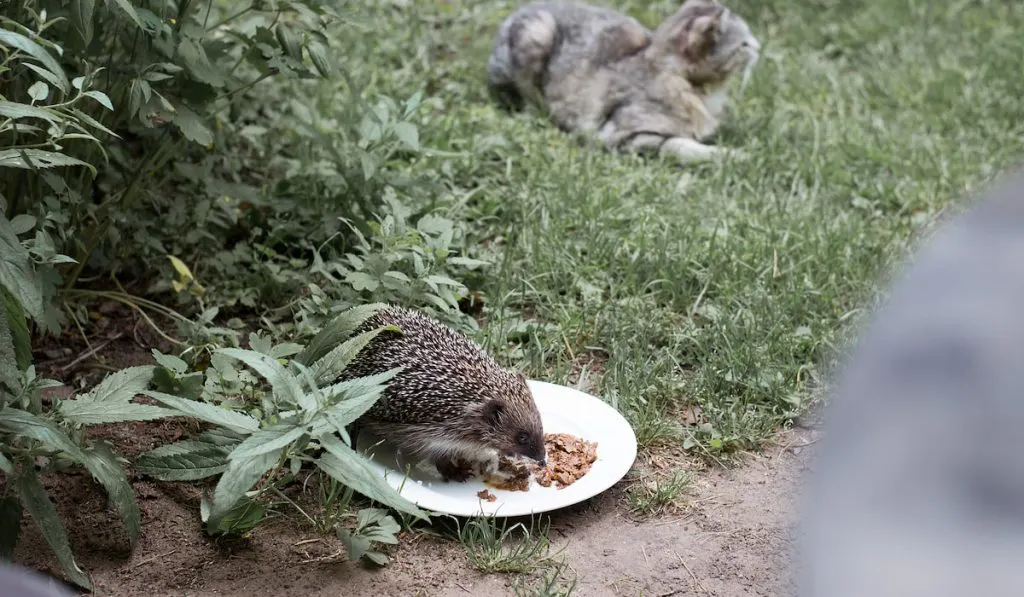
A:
x: 525, y: 42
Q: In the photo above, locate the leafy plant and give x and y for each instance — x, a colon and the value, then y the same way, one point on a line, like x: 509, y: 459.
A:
x: 373, y: 525
x: 277, y: 429
x: 37, y: 440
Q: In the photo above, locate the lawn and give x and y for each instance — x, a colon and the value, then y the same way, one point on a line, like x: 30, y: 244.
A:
x: 710, y: 304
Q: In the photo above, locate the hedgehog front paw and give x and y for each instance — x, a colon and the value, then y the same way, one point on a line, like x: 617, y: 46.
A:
x: 455, y: 470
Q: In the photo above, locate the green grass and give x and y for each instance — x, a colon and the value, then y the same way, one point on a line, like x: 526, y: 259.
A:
x: 731, y: 287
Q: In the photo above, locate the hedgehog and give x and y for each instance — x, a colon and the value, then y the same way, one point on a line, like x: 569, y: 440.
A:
x: 451, y: 405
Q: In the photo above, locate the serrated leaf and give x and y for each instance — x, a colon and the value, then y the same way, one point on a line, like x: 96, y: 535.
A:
x: 237, y: 422
x: 123, y: 385
x: 284, y: 384
x: 188, y: 460
x: 192, y: 126
x: 17, y: 275
x: 17, y: 111
x: 356, y: 397
x: 85, y: 411
x: 337, y: 331
x: 193, y: 56
x: 267, y: 440
x: 353, y: 470
x: 361, y: 281
x: 81, y: 18
x: 25, y: 424
x: 333, y: 364
x: 319, y: 57
x: 39, y: 506
x: 32, y: 159
x: 103, y: 464
x: 10, y: 525
x: 243, y: 517
x: 241, y: 475
x: 129, y: 10
x: 14, y: 39
x: 408, y: 134
x: 9, y: 367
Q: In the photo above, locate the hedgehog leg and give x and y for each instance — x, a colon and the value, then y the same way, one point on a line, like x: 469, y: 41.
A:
x: 453, y: 468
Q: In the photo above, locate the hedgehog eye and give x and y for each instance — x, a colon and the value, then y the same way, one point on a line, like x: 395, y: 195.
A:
x: 523, y: 438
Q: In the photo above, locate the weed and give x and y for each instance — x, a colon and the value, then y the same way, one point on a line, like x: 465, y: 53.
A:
x: 658, y: 494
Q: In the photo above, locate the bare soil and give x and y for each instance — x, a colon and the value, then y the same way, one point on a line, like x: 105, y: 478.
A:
x: 732, y: 537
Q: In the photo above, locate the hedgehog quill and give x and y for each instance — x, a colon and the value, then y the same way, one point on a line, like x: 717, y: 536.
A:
x: 452, y: 405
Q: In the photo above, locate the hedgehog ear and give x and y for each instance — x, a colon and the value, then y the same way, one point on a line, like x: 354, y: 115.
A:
x: 493, y: 412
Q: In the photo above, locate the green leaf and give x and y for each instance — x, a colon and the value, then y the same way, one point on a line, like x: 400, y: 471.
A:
x: 266, y: 440
x: 285, y: 385
x: 25, y: 424
x: 319, y: 57
x: 10, y: 525
x: 6, y: 466
x: 241, y: 475
x: 376, y: 558
x: 32, y: 159
x: 361, y: 281
x: 192, y: 125
x: 407, y: 134
x: 333, y: 364
x: 244, y: 516
x: 85, y: 411
x: 93, y: 123
x: 353, y: 470
x: 193, y: 56
x: 289, y: 41
x: 193, y: 461
x: 22, y: 223
x: 356, y: 545
x: 14, y: 39
x: 237, y: 422
x: 356, y: 397
x: 337, y: 331
x: 18, y: 111
x: 170, y: 362
x: 128, y: 9
x: 102, y: 463
x: 50, y: 78
x: 17, y: 275
x: 100, y: 97
x: 81, y: 18
x: 39, y: 506
x: 39, y: 91
x: 123, y: 385
x: 9, y: 367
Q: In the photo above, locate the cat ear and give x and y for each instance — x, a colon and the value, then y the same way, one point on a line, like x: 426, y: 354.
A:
x: 703, y: 34
x: 493, y: 412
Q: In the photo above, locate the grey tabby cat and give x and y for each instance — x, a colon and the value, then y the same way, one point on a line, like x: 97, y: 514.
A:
x: 604, y: 75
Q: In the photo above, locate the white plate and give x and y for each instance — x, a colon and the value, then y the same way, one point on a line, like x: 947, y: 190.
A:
x: 562, y: 410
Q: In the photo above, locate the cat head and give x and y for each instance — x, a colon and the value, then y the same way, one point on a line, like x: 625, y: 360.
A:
x: 708, y: 41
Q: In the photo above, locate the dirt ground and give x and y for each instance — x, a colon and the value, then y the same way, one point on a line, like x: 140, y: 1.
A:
x: 732, y: 538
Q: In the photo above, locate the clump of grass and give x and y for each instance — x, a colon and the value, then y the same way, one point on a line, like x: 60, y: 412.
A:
x: 658, y: 495
x: 500, y: 547
x: 558, y: 581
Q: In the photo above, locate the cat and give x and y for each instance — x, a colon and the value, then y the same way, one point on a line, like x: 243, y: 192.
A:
x: 603, y: 75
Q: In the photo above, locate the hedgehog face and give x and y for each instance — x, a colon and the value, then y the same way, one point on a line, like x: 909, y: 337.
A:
x: 513, y: 423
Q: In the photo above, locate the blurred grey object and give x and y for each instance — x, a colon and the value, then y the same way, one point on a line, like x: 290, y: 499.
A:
x: 918, y: 489
x: 16, y: 581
